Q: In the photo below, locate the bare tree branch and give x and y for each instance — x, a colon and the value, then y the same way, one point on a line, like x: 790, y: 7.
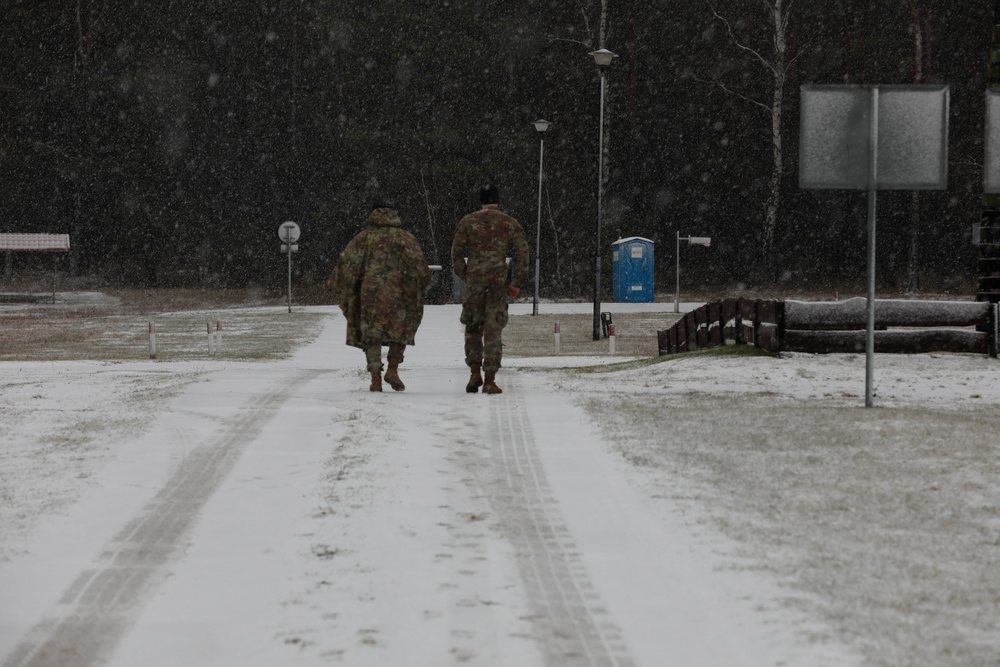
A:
x: 571, y: 41
x: 603, y: 32
x: 730, y: 91
x: 430, y: 213
x: 586, y: 19
x: 736, y: 42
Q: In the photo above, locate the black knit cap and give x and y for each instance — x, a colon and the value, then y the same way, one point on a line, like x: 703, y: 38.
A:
x: 488, y: 194
x: 382, y: 202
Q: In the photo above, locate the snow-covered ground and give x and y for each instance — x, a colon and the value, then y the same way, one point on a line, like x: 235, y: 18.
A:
x: 277, y: 513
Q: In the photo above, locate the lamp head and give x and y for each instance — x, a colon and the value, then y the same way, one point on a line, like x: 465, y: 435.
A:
x: 542, y: 125
x: 603, y: 57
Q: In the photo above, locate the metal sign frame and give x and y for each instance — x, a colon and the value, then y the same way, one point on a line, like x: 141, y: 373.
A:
x: 991, y: 161
x: 289, y: 233
x: 911, y: 137
x: 872, y: 138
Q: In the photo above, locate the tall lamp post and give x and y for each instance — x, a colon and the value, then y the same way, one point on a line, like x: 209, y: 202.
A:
x: 603, y: 58
x: 541, y: 126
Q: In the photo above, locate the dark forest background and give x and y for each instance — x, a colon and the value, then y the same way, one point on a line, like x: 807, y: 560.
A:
x: 170, y: 139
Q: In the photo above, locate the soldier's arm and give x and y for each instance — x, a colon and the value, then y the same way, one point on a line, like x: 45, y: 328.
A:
x: 520, y: 244
x: 458, y: 249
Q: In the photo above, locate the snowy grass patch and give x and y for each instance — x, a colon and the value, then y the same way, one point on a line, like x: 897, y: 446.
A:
x: 885, y: 522
x: 534, y: 335
x: 252, y: 333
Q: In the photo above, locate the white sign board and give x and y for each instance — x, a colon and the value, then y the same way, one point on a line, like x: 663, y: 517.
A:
x: 835, y: 137
x: 991, y: 167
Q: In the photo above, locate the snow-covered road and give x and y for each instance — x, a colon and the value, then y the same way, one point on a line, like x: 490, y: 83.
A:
x: 280, y: 514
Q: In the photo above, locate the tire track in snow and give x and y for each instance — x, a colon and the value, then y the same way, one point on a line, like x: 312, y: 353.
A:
x: 574, y: 627
x: 95, y: 612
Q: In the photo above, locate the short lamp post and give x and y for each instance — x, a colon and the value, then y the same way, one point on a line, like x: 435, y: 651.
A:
x: 542, y: 126
x: 692, y: 240
x: 603, y: 58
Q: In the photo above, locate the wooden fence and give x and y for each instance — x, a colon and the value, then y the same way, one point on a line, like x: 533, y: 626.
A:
x: 836, y: 326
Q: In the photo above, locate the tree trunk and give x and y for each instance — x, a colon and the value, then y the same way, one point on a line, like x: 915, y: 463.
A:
x: 913, y: 248
x: 780, y: 22
x: 778, y: 12
x: 853, y: 314
x: 425, y: 193
x: 555, y: 235
x: 898, y: 342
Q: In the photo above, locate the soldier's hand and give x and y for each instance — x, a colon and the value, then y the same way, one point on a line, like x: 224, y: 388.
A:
x: 512, y: 291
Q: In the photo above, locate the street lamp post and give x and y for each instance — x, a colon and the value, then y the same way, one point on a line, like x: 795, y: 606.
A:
x: 603, y: 58
x: 541, y: 126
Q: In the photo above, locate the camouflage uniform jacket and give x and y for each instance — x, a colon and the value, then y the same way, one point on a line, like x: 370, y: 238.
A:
x: 381, y: 277
x: 485, y: 238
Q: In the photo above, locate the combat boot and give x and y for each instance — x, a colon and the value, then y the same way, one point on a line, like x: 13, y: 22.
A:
x: 376, y: 381
x: 392, y: 377
x: 475, y: 381
x: 490, y: 385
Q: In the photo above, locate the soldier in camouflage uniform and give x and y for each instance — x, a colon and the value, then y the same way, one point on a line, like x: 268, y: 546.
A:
x: 381, y: 277
x: 479, y: 256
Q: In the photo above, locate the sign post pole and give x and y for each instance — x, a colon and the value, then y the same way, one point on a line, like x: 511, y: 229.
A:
x: 870, y: 327
x: 873, y: 138
x: 692, y: 240
x: 288, y: 244
x: 289, y: 232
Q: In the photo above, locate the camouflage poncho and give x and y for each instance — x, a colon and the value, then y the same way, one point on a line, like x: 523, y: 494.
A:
x: 381, y: 277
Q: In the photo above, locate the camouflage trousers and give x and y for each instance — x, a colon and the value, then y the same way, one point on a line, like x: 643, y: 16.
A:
x: 373, y: 353
x: 484, y: 314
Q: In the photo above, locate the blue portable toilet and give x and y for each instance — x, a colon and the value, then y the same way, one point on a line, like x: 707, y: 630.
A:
x: 632, y: 270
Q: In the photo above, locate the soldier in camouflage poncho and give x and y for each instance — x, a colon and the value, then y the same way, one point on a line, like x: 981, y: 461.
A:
x: 381, y: 277
x: 479, y: 256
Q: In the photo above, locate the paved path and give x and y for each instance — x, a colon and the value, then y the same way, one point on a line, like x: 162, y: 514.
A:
x: 94, y: 613
x: 305, y: 521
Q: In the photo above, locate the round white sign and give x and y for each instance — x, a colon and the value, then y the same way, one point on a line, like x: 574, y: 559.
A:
x: 289, y: 232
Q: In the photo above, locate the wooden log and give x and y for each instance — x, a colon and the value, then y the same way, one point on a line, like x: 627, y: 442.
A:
x: 993, y: 329
x: 663, y: 341
x: 767, y: 311
x: 747, y: 321
x: 682, y: 337
x: 853, y: 314
x: 730, y: 308
x: 715, y: 324
x: 905, y: 342
x: 767, y: 337
x: 701, y: 322
x: 691, y: 332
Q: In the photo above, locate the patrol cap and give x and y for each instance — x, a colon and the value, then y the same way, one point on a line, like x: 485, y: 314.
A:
x: 488, y: 194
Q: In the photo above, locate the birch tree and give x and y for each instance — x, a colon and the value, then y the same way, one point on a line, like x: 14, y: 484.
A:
x: 775, y: 62
x: 920, y: 28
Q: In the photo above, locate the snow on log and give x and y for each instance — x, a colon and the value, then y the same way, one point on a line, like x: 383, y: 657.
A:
x: 853, y: 314
x: 904, y: 342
